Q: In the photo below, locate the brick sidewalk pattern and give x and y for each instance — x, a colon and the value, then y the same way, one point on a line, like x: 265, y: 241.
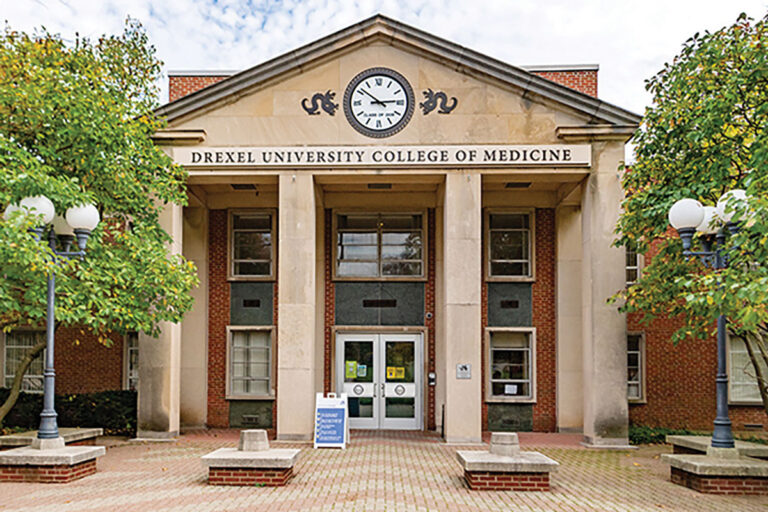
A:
x: 392, y: 471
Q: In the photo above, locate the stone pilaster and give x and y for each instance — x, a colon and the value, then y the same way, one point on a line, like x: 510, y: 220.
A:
x: 160, y: 359
x: 296, y: 306
x: 603, y: 327
x: 462, y: 271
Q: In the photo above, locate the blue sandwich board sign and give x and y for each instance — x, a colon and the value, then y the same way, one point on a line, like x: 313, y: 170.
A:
x: 331, y: 421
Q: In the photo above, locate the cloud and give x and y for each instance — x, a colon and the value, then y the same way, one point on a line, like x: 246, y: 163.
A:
x: 630, y: 40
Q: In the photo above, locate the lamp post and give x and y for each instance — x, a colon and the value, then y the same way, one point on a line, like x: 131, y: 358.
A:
x: 76, y: 227
x: 688, y: 216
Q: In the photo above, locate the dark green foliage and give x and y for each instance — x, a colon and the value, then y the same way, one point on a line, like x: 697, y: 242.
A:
x: 642, y: 434
x: 114, y: 411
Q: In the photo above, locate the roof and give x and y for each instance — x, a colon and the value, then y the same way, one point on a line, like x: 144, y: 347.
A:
x: 401, y: 35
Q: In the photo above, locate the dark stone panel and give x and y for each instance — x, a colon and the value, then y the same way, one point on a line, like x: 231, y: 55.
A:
x: 251, y: 303
x: 379, y: 303
x: 509, y: 305
x: 510, y: 417
x: 250, y: 413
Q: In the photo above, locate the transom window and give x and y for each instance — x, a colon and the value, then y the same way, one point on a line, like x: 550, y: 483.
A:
x: 252, y: 252
x: 379, y: 245
x: 635, y: 366
x: 509, y: 245
x: 250, y: 362
x: 511, y: 365
x: 17, y: 344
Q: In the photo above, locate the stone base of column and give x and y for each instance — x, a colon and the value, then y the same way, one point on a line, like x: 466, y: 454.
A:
x: 60, y: 465
x: 155, y: 435
x: 503, y: 481
x: 607, y: 443
x: 714, y: 475
x: 249, y: 476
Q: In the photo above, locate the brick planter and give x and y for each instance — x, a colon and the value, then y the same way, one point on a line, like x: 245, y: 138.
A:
x: 739, y: 485
x: 60, y: 474
x: 502, y: 481
x: 249, y: 476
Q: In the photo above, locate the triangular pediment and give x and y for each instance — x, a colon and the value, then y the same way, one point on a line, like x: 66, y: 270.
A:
x: 271, y: 94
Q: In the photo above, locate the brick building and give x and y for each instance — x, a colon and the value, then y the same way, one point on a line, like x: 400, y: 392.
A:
x: 387, y: 214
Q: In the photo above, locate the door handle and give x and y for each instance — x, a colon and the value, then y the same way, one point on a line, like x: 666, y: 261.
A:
x: 382, y: 390
x: 374, y: 390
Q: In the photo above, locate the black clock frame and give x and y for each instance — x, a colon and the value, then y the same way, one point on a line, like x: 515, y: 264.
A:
x: 379, y: 134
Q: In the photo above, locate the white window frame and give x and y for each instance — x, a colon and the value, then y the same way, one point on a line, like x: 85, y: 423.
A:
x: 27, y: 376
x: 379, y: 277
x: 531, y: 213
x: 731, y: 380
x: 637, y: 267
x: 264, y: 328
x: 489, y: 396
x: 641, y: 367
x: 127, y: 362
x: 231, y: 276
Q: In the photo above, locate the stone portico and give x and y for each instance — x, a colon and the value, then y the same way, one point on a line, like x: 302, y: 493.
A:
x: 574, y: 377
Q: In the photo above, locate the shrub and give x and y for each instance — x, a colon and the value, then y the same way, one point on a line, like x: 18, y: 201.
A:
x: 643, y: 434
x: 114, y: 411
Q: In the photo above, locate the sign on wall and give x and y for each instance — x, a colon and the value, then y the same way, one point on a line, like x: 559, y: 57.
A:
x: 331, y: 421
x: 554, y: 155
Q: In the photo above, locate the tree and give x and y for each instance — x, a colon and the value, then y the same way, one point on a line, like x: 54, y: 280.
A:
x: 705, y: 133
x: 76, y: 121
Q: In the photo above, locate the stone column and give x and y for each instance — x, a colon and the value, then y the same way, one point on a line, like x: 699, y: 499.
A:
x: 160, y: 359
x: 462, y: 271
x: 296, y: 277
x: 570, y: 400
x: 194, y: 327
x: 603, y: 327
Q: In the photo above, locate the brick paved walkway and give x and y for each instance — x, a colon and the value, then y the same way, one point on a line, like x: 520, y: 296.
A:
x: 392, y: 471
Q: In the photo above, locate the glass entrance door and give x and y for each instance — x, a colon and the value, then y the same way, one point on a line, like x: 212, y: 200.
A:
x: 381, y: 374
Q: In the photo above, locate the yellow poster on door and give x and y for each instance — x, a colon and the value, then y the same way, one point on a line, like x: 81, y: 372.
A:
x: 400, y: 372
x: 351, y: 370
x: 391, y: 372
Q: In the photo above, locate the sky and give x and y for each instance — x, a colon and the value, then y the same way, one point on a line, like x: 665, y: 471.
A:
x: 630, y: 39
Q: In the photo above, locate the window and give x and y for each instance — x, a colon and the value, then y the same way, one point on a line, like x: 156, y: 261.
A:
x: 250, y: 362
x: 17, y: 344
x: 132, y: 361
x: 251, y: 239
x: 509, y: 245
x: 632, y: 265
x: 511, y: 364
x: 742, y: 380
x: 635, y: 367
x: 379, y: 246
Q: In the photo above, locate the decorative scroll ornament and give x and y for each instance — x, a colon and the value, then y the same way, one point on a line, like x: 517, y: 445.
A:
x: 433, y: 99
x: 318, y: 101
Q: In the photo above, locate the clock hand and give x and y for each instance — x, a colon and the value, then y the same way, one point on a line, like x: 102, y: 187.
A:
x: 375, y: 100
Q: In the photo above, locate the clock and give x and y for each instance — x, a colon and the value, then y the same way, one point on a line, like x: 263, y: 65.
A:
x: 378, y: 102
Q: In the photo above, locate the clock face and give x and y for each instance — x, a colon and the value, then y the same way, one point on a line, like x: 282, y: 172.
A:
x: 378, y: 102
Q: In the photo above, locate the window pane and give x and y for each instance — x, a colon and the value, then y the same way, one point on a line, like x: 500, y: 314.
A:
x: 357, y: 238
x: 358, y: 222
x: 633, y: 342
x: 252, y: 245
x: 633, y: 374
x: 515, y: 389
x: 358, y: 252
x: 17, y: 345
x: 633, y: 391
x: 361, y: 269
x: 509, y: 339
x: 389, y: 222
x: 509, y: 364
x: 401, y: 268
x: 510, y: 221
x: 412, y: 238
x: 509, y: 269
x: 509, y: 245
x: 633, y: 360
x: 252, y: 221
x: 258, y: 387
x: 252, y: 268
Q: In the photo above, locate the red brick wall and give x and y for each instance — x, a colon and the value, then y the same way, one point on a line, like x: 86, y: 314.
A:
x: 582, y: 81
x: 218, y: 319
x: 330, y: 303
x: 543, y: 303
x: 83, y: 365
x: 179, y: 86
x: 680, y: 379
x: 544, y: 320
x: 429, y: 310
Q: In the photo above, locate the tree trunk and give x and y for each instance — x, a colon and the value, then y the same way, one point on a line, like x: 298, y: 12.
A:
x: 18, y: 379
